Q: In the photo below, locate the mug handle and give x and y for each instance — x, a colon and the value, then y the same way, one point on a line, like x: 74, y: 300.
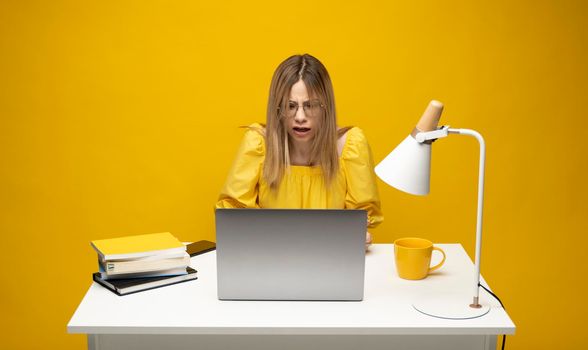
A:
x: 439, y: 264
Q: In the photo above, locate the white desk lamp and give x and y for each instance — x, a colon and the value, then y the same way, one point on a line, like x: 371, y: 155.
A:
x: 408, y: 168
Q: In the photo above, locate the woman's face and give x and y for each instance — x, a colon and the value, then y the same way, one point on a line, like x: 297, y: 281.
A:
x: 302, y: 114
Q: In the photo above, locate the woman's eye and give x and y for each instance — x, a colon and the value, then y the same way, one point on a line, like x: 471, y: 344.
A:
x: 292, y: 106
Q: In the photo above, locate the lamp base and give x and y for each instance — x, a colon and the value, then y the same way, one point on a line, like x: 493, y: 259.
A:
x: 450, y: 307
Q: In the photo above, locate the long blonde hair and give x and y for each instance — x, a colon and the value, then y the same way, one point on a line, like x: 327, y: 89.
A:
x: 324, y: 145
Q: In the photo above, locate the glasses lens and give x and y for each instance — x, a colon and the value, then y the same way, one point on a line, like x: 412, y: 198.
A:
x: 291, y: 109
x: 312, y: 108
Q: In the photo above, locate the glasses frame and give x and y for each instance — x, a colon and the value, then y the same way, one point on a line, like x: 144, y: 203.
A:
x: 305, y: 108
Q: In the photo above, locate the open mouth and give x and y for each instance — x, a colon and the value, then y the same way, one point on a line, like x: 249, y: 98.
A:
x: 300, y: 130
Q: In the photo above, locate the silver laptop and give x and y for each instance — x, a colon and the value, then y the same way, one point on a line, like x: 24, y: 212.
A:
x: 290, y: 254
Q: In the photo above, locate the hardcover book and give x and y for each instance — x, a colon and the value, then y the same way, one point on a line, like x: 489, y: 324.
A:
x: 170, y: 272
x: 133, y: 247
x: 147, y: 264
x: 133, y: 285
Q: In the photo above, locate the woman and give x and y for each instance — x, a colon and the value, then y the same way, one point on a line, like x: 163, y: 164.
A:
x: 300, y: 158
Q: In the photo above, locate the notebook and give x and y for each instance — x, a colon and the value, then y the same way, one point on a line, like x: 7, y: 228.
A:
x: 124, y: 286
x: 290, y: 254
x: 138, y: 246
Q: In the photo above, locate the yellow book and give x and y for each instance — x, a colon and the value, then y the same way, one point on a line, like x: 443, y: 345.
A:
x: 138, y: 246
x: 147, y: 264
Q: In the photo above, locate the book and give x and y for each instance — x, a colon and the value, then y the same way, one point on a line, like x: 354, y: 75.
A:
x: 145, y: 264
x: 137, y: 246
x: 170, y: 272
x: 133, y: 285
x: 164, y: 255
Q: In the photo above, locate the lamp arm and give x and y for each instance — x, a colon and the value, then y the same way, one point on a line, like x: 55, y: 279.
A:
x: 482, y: 167
x: 424, y: 136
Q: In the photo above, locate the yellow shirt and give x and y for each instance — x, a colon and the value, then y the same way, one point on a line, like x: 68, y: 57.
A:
x: 302, y: 187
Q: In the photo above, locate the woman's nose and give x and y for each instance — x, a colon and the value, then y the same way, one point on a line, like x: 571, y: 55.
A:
x: 300, y: 115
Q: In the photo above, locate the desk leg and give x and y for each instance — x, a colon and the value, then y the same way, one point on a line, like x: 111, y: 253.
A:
x: 93, y: 342
x: 490, y: 342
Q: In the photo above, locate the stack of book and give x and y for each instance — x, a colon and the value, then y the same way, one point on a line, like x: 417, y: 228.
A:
x: 135, y: 263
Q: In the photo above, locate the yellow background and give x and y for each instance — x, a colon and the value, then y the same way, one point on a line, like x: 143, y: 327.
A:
x: 120, y: 117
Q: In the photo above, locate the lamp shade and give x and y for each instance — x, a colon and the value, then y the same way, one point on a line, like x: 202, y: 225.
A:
x: 407, y: 167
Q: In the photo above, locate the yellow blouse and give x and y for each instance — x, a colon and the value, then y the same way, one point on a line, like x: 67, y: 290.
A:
x: 303, y: 187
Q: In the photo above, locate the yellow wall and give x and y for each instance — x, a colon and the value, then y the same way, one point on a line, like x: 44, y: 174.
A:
x: 120, y: 117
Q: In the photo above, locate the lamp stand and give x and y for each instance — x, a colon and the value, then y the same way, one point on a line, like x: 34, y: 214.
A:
x: 450, y: 306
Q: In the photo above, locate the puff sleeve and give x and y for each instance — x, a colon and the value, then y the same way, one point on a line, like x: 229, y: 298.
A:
x: 242, y: 185
x: 358, y: 165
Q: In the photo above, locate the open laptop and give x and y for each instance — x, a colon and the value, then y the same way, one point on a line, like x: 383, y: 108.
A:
x: 290, y: 254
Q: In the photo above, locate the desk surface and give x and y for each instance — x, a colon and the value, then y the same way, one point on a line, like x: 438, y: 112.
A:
x: 193, y: 308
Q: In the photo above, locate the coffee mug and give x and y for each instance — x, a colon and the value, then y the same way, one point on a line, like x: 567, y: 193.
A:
x: 413, y: 258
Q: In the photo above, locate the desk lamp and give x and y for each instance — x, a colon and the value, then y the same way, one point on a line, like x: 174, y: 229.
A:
x: 408, y: 168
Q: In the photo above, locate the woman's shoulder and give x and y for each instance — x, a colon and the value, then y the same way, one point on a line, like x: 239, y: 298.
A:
x: 354, y: 141
x: 256, y: 126
x: 350, y: 131
x: 259, y: 128
x: 254, y: 138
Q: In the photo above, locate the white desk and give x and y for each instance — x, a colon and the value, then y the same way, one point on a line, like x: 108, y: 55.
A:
x: 189, y: 315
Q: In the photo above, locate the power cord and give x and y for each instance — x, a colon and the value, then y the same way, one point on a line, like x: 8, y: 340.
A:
x: 501, y: 304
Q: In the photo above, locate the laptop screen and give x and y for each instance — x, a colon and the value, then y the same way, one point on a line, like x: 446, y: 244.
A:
x: 290, y: 254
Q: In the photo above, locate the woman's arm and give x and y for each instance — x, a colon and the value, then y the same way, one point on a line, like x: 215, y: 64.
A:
x: 242, y: 185
x: 362, y: 192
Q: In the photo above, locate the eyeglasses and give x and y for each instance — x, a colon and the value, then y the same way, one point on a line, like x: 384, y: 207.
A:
x: 311, y: 108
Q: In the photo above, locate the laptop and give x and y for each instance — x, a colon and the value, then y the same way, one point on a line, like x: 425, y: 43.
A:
x: 290, y: 254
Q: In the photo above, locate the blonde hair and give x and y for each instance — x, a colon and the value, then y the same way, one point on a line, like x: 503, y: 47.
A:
x: 324, y: 145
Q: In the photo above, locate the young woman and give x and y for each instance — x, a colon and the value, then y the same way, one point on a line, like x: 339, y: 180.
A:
x: 300, y: 158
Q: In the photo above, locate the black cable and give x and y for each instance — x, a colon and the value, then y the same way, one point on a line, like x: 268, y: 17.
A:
x: 501, y: 304
x: 494, y: 295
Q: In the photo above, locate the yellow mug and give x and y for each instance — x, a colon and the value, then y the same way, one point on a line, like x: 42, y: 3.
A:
x: 413, y: 258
